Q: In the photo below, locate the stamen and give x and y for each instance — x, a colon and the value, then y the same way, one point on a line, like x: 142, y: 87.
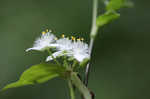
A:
x: 47, y: 30
x: 82, y: 39
x: 56, y: 38
x: 50, y: 31
x: 67, y: 38
x: 73, y: 38
x: 62, y: 35
x: 78, y: 39
x: 43, y: 32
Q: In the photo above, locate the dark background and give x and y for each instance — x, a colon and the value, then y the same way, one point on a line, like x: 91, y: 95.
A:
x: 120, y: 62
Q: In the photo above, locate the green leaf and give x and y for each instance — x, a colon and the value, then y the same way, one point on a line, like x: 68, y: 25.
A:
x: 106, y: 18
x: 117, y: 4
x: 37, y: 74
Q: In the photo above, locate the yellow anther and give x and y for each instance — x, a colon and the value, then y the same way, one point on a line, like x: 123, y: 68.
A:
x: 73, y: 38
x: 43, y: 32
x: 47, y: 30
x: 62, y: 35
x: 67, y: 38
x: 56, y: 38
x: 78, y: 39
x: 82, y: 39
x: 50, y: 31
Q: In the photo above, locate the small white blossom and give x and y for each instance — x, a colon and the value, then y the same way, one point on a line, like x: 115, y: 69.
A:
x: 63, y: 46
x: 45, y: 41
x: 58, y: 54
x: 80, y: 51
x: 76, y: 49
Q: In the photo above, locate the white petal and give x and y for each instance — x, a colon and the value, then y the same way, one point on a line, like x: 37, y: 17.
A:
x: 64, y: 44
x: 80, y: 51
x: 43, y: 42
x: 81, y: 57
x: 34, y: 48
x: 54, y: 55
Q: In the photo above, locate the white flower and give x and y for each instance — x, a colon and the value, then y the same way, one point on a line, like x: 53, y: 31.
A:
x: 45, y: 41
x: 63, y: 46
x: 76, y: 49
x: 80, y: 51
x: 54, y: 55
x: 58, y: 54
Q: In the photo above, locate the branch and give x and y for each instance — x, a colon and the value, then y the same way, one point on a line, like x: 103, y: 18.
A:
x: 71, y: 89
x: 93, y: 34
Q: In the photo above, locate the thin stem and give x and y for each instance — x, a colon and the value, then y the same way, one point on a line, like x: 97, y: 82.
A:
x: 71, y: 89
x: 74, y: 63
x: 65, y: 61
x: 80, y: 86
x: 93, y: 34
x: 53, y: 57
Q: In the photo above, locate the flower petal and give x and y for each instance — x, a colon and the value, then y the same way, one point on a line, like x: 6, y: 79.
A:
x: 42, y: 43
x: 54, y: 55
x: 33, y: 48
x: 81, y: 57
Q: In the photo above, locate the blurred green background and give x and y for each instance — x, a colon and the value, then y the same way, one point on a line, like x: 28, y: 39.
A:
x: 120, y: 62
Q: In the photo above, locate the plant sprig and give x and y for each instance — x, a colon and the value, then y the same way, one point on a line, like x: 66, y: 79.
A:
x: 73, y: 53
x: 98, y: 21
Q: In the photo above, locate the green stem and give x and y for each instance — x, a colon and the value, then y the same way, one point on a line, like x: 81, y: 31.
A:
x: 53, y: 57
x: 93, y: 33
x: 65, y: 61
x: 74, y: 63
x: 71, y: 89
x: 81, y: 87
x: 94, y: 27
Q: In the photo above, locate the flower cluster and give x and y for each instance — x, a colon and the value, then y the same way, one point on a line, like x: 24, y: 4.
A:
x: 71, y: 48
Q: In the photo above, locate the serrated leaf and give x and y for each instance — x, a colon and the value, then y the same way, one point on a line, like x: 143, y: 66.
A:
x: 117, y: 4
x: 106, y: 18
x: 37, y: 74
